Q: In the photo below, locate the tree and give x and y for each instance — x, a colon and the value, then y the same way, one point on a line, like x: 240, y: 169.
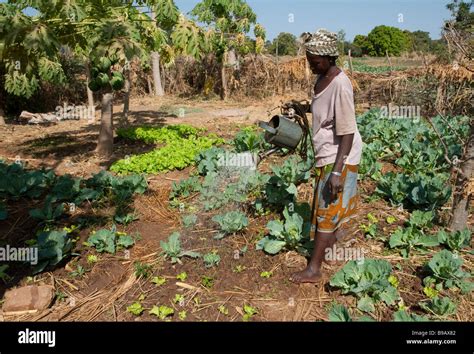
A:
x: 361, y: 45
x: 420, y: 41
x: 164, y: 14
x: 458, y: 34
x: 30, y: 48
x: 228, y: 21
x: 385, y: 39
x: 284, y: 44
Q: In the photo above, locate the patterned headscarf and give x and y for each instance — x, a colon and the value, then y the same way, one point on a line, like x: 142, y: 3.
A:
x: 322, y: 42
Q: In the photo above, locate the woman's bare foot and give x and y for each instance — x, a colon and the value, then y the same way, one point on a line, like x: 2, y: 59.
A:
x: 307, y: 275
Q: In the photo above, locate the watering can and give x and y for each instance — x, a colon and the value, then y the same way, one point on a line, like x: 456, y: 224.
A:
x: 282, y: 132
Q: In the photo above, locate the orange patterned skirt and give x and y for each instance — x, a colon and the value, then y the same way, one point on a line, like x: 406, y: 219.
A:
x: 330, y: 215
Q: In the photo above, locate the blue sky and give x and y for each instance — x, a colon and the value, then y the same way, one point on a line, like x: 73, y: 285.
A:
x: 354, y: 16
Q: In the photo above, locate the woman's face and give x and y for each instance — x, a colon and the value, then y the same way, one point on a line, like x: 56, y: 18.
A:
x: 319, y: 64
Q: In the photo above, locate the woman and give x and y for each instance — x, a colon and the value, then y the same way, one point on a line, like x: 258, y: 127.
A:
x: 338, y: 148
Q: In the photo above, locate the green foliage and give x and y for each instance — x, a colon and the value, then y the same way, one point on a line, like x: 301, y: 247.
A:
x: 182, y: 145
x: 142, y: 270
x: 413, y: 236
x: 456, y: 240
x: 230, y: 223
x: 368, y: 281
x: 158, y: 281
x: 211, y: 259
x: 207, y: 160
x: 281, y: 187
x: 109, y: 240
x: 189, y: 220
x: 384, y: 39
x: 162, y: 312
x: 207, y: 282
x: 339, y: 313
x: 172, y: 249
x: 287, y: 45
x: 185, y: 187
x: 440, y: 306
x: 249, y: 140
x: 445, y: 270
x: 135, y: 309
x: 53, y: 247
x: 292, y: 233
x: 404, y: 316
x: 249, y: 312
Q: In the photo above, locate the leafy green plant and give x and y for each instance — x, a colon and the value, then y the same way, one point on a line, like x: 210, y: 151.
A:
x: 79, y: 272
x: 456, y: 240
x: 339, y: 313
x: 207, y: 160
x: 185, y: 187
x: 53, y: 247
x: 290, y: 234
x: 142, y: 270
x: 162, y: 312
x: 211, y: 259
x: 158, y: 281
x: 224, y: 310
x: 109, y: 240
x: 249, y: 312
x: 230, y: 223
x: 172, y: 249
x: 266, y: 274
x: 176, y: 154
x: 249, y: 140
x: 281, y: 187
x: 178, y: 298
x: 207, y: 282
x: 49, y: 213
x: 368, y: 281
x: 182, y: 276
x: 239, y: 268
x: 182, y: 315
x: 189, y: 220
x: 136, y: 308
x: 445, y: 269
x: 413, y: 236
x: 404, y: 316
x: 440, y: 306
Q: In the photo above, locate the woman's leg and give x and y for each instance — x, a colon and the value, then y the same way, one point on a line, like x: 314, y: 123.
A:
x: 312, y: 272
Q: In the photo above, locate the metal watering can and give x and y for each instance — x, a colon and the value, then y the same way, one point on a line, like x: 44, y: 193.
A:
x: 282, y: 132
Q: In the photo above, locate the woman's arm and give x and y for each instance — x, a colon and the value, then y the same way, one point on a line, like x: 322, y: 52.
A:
x: 335, y: 182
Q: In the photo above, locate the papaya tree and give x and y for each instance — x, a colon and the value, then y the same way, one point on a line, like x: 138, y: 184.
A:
x: 228, y: 21
x: 163, y: 17
x: 115, y: 42
x: 29, y: 47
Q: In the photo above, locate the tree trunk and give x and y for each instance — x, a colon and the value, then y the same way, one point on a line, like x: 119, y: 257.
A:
x: 105, y: 146
x: 126, y: 97
x: 90, y: 94
x: 150, y: 86
x: 223, y: 78
x: 2, y: 119
x: 464, y: 187
x: 155, y: 65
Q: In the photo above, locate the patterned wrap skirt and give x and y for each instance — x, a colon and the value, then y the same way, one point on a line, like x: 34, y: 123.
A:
x: 330, y: 215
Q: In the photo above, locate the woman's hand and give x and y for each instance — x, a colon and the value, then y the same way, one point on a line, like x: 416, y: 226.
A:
x: 335, y: 186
